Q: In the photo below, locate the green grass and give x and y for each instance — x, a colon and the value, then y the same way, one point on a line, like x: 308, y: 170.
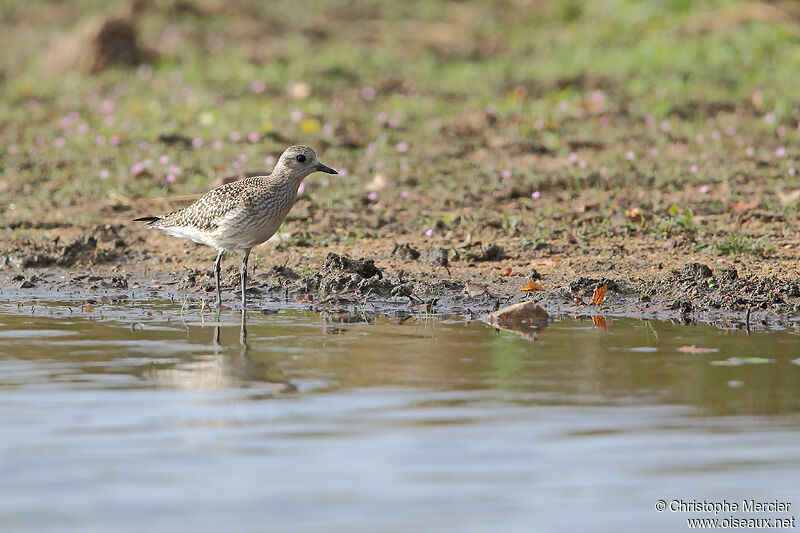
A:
x: 648, y: 95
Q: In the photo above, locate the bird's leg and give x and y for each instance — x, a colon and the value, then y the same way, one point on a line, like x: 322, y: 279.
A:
x: 216, y: 277
x: 245, y: 255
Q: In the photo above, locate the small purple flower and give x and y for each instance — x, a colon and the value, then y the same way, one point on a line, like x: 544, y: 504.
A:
x: 429, y: 232
x: 137, y: 168
x: 383, y: 117
x: 506, y: 174
x: 572, y: 157
x: 781, y: 131
x: 163, y: 160
x: 244, y: 158
x: 342, y: 172
x: 147, y: 162
x: 654, y: 152
x: 109, y: 121
x: 368, y: 93
x: 144, y: 145
x: 371, y: 147
x: 403, y: 167
x: 704, y: 189
x: 216, y: 145
x: 269, y: 160
x: 535, y: 195
x: 170, y: 178
x: 328, y: 130
x: 780, y: 152
x: 693, y: 169
x: 296, y: 115
x: 234, y: 136
x: 13, y: 149
x: 175, y: 169
x: 792, y: 171
x: 603, y: 121
x: 730, y: 131
x: 106, y: 107
x: 372, y: 196
x: 104, y: 173
x: 716, y: 135
x: 253, y: 137
x: 630, y: 156
x: 769, y: 118
x: 82, y: 129
x: 403, y: 194
x: 59, y: 142
x: 490, y: 110
x: 582, y: 164
x: 237, y: 165
x: 665, y: 126
x: 257, y: 86
x: 325, y: 182
x: 197, y: 142
x: 598, y: 97
x: 114, y: 140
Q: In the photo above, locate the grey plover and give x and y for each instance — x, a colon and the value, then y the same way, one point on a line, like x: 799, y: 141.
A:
x: 242, y: 214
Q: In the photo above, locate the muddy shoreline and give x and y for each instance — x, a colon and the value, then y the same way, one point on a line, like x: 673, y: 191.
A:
x: 402, y: 282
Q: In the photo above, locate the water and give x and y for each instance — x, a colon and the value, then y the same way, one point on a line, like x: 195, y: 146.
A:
x: 136, y: 418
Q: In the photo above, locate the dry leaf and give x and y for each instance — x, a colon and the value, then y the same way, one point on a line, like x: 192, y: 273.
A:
x: 634, y: 213
x: 695, y: 349
x: 533, y: 286
x: 599, y: 295
x: 89, y: 308
x: 506, y: 272
x: 476, y: 289
x: 599, y: 322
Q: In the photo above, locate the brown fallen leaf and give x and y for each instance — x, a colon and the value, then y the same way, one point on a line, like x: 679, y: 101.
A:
x: 695, y: 349
x: 506, y: 272
x: 533, y: 286
x: 88, y: 308
x: 634, y: 213
x: 599, y: 295
x: 599, y: 322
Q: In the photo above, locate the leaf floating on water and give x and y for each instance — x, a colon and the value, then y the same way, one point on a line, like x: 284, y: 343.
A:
x: 599, y: 295
x: 533, y: 286
x: 695, y: 349
x: 739, y: 361
x: 599, y: 322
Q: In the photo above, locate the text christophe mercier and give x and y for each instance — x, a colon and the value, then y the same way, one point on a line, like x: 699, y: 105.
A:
x: 725, y: 506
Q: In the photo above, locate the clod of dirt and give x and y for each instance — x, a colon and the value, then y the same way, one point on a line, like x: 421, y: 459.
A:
x: 341, y: 263
x: 492, y: 253
x: 588, y: 285
x: 434, y: 256
x: 534, y: 274
x: 697, y: 271
x: 100, y: 42
x: 524, y: 318
x: 728, y: 274
x: 406, y: 252
x: 119, y: 282
x: 74, y: 251
x: 280, y: 271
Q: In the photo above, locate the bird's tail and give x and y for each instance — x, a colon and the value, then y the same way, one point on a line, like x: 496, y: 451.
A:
x: 149, y: 220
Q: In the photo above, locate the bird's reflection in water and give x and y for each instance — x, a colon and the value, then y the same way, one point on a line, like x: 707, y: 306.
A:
x: 225, y: 370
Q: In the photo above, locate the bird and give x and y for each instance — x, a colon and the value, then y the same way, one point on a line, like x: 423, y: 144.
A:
x: 244, y: 213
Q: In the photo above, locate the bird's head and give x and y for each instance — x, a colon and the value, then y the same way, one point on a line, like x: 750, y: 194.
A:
x: 298, y: 162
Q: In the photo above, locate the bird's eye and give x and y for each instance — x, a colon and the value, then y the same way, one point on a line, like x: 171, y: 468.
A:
x: 301, y: 158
